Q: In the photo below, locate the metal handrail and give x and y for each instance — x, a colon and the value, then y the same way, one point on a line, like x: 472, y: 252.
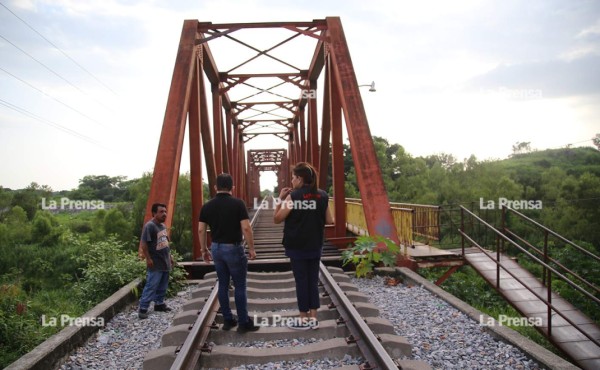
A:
x: 547, y: 302
x: 507, y: 230
x: 562, y: 238
x: 371, y: 348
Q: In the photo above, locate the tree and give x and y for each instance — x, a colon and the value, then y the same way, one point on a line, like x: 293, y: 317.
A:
x: 30, y: 198
x: 521, y: 147
x: 18, y: 228
x: 102, y: 187
x: 5, y: 201
x: 45, y: 229
x: 116, y: 224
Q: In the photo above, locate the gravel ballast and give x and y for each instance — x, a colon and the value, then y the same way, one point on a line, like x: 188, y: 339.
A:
x: 440, y: 335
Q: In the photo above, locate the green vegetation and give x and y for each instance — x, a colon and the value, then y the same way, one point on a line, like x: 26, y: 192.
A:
x: 566, y: 182
x: 63, y: 260
x: 369, y: 251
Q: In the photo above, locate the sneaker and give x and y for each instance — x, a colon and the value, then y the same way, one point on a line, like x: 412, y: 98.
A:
x: 161, y: 308
x: 298, y: 325
x: 314, y: 324
x: 249, y: 326
x: 143, y: 314
x: 228, y: 324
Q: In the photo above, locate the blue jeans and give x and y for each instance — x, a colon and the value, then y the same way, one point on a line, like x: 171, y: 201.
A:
x: 155, y: 288
x: 306, y: 275
x: 231, y: 263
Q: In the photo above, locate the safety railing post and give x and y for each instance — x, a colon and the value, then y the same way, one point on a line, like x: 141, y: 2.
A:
x: 549, y: 304
x: 545, y: 256
x: 462, y: 229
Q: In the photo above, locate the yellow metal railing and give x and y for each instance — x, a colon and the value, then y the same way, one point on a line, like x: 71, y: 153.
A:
x: 403, y: 219
x: 356, y: 222
x: 426, y: 219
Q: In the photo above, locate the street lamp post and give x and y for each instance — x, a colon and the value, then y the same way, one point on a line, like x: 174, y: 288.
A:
x: 371, y: 86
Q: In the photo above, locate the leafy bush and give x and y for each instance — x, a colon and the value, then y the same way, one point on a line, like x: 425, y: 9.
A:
x: 108, y: 267
x: 365, y: 254
x: 45, y: 231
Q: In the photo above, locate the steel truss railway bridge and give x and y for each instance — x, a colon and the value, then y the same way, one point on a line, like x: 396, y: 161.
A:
x: 291, y: 88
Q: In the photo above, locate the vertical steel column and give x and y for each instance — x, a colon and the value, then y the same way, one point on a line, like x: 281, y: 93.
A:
x: 207, y: 142
x: 235, y: 163
x: 337, y: 155
x: 291, y: 155
x: 297, y: 147
x: 243, y: 181
x: 313, y: 127
x: 323, y: 163
x: 195, y: 158
x: 302, y: 127
x: 163, y: 188
x: 370, y: 182
x: 218, y: 127
x: 228, y: 147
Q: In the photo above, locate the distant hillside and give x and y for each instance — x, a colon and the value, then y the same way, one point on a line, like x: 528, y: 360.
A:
x: 574, y: 161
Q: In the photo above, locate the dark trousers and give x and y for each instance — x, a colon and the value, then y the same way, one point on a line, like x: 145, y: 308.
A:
x: 306, y: 274
x: 231, y: 263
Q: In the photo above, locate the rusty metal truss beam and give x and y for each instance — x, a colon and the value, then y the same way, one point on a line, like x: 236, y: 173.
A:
x: 233, y: 82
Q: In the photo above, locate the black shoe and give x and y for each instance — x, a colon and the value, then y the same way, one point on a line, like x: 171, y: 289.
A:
x: 161, y: 308
x: 143, y: 314
x: 228, y: 324
x: 249, y: 326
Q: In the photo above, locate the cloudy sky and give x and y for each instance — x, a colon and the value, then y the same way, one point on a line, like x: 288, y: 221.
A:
x: 84, y: 83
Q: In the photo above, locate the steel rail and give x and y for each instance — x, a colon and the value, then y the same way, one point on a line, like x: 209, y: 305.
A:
x: 372, y: 350
x: 190, y: 351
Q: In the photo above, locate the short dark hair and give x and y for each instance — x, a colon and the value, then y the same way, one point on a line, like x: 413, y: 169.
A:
x: 155, y: 207
x: 224, y: 182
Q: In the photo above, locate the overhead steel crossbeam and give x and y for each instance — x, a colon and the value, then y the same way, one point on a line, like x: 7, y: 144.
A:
x: 274, y: 160
x: 234, y: 82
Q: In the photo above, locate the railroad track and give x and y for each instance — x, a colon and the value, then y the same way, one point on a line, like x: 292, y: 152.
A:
x: 350, y: 328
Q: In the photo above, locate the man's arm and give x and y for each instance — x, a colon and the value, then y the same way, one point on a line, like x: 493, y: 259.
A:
x: 247, y: 231
x: 146, y: 253
x: 203, y: 247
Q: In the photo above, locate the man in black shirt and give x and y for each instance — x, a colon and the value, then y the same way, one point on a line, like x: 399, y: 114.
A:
x: 228, y: 220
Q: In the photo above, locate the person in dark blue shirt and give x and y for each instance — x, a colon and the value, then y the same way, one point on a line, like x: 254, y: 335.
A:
x: 304, y: 208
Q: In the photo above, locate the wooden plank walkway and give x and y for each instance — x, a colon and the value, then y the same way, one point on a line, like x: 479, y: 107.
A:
x: 567, y: 337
